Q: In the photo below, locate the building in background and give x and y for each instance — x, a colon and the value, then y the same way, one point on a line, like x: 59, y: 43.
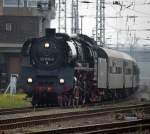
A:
x: 20, y: 20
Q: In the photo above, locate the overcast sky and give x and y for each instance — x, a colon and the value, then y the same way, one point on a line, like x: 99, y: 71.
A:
x: 130, y: 19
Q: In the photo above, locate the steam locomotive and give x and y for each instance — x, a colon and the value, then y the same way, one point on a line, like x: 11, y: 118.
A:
x: 58, y: 69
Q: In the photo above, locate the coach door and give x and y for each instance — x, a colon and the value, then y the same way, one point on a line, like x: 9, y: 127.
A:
x: 102, y: 73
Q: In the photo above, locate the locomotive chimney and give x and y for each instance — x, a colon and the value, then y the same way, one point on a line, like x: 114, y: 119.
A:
x: 50, y: 32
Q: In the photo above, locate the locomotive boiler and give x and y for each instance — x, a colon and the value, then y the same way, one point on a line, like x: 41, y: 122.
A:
x: 59, y: 69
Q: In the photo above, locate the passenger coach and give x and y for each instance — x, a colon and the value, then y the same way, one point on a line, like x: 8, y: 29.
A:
x: 117, y: 72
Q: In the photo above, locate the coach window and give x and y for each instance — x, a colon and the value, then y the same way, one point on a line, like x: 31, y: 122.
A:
x: 125, y: 63
x: 8, y: 27
x: 35, y: 3
x: 118, y: 70
x: 115, y: 70
x: 128, y: 71
x: 32, y: 3
x: 13, y: 3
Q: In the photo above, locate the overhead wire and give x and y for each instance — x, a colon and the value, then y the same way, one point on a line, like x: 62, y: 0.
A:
x: 125, y: 7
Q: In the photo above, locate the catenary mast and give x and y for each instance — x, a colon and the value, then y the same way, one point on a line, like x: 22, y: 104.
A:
x: 100, y: 22
x: 75, y: 17
x: 62, y: 16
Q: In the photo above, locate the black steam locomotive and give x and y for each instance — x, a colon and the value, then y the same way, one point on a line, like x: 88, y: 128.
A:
x: 61, y: 70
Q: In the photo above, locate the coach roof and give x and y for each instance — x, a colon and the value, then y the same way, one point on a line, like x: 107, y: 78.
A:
x: 117, y: 54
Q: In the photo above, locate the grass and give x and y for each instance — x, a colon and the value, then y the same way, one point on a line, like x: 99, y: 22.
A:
x: 16, y: 101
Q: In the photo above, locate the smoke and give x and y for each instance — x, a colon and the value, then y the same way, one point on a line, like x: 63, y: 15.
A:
x: 143, y: 93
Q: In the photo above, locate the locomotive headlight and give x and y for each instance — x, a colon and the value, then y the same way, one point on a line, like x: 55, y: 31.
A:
x: 29, y: 80
x: 46, y: 45
x: 61, y: 81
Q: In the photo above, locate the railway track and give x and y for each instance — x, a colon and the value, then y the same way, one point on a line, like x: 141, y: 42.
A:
x: 7, y: 111
x: 20, y: 110
x: 109, y: 128
x: 44, y: 119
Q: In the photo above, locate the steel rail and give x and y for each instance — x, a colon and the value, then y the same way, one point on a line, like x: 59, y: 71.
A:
x: 6, y: 111
x: 15, y: 110
x: 21, y: 110
x: 44, y: 119
x: 109, y: 128
x: 80, y: 113
x: 123, y: 130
